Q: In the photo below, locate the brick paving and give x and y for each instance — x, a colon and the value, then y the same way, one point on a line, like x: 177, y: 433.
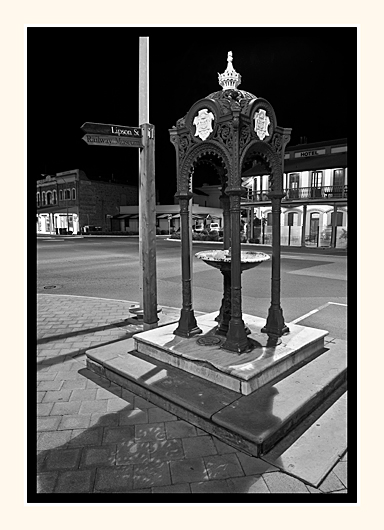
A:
x: 95, y: 437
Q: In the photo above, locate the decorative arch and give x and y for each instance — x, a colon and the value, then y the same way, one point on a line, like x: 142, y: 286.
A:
x: 269, y: 155
x: 196, y: 152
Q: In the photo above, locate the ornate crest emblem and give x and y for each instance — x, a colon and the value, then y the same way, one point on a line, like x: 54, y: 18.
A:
x: 261, y: 124
x: 203, y: 122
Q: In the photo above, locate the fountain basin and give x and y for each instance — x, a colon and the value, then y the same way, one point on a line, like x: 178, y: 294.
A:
x: 221, y: 259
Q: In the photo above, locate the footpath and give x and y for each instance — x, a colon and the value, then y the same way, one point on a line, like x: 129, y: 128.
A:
x: 94, y: 437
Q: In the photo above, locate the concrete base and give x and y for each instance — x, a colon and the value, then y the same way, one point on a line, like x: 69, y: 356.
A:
x: 253, y: 424
x: 242, y: 373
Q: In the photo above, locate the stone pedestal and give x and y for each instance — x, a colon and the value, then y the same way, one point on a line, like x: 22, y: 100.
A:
x: 205, y: 357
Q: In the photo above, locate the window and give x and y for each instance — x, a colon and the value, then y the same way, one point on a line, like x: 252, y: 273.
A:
x: 49, y: 200
x: 73, y: 194
x: 61, y: 195
x: 293, y: 192
x: 43, y: 197
x: 54, y: 197
x: 269, y: 219
x: 292, y: 218
x: 339, y: 219
x: 316, y: 183
x: 38, y: 198
x: 338, y: 182
x: 67, y: 194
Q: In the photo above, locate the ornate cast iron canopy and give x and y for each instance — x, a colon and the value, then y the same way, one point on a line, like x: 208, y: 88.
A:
x: 236, y: 126
x: 230, y: 127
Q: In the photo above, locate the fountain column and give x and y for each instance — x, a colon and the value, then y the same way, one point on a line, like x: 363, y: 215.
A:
x: 187, y: 324
x: 224, y: 199
x: 236, y: 340
x: 224, y: 315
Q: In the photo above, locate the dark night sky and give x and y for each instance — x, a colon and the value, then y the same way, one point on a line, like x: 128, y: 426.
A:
x: 84, y: 74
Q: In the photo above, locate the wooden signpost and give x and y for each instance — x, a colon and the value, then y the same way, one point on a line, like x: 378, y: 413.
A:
x: 143, y: 137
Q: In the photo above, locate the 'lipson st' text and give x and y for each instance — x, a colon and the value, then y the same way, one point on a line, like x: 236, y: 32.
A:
x: 126, y: 132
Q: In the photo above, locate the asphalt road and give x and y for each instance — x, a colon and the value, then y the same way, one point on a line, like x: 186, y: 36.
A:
x: 313, y: 286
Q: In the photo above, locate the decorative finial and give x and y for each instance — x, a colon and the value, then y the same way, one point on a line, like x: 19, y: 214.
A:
x: 230, y: 79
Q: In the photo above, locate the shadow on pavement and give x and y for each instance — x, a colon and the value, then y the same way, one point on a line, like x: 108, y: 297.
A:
x: 52, y: 338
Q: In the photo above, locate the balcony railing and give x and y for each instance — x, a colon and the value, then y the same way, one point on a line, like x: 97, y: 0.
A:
x: 323, y: 192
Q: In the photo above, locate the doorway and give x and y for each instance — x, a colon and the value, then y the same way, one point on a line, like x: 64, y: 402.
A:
x: 314, y: 228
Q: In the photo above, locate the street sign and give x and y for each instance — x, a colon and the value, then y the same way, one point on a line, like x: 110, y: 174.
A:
x: 114, y: 141
x: 114, y: 130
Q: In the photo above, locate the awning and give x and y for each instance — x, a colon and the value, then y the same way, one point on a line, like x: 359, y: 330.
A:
x: 311, y: 163
x: 126, y: 215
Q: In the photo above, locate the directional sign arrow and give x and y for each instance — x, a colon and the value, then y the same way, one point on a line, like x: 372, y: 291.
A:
x: 114, y: 141
x: 114, y: 130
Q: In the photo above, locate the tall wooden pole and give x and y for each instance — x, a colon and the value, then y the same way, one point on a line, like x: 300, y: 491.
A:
x: 147, y: 198
x: 143, y: 118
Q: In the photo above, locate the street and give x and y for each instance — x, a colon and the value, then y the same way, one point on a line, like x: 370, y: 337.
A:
x: 313, y: 285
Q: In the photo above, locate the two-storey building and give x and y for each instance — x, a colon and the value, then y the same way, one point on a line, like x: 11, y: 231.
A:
x: 314, y: 210
x: 69, y: 201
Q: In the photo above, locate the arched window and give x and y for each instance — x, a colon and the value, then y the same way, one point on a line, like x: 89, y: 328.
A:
x: 67, y: 194
x: 61, y: 195
x: 49, y: 198
x: 38, y: 198
x: 43, y: 198
x: 292, y: 219
x: 339, y: 219
x: 73, y: 194
x: 54, y: 197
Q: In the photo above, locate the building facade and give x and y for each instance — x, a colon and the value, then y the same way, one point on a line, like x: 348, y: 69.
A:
x: 168, y: 218
x: 68, y: 202
x: 314, y: 211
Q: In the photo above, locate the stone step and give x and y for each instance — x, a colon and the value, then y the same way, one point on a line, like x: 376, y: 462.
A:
x: 253, y: 423
x: 267, y: 415
x: 314, y: 453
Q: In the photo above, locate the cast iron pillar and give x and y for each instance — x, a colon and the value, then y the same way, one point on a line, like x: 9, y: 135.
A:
x: 275, y: 326
x: 187, y: 324
x: 236, y: 340
x: 224, y: 199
